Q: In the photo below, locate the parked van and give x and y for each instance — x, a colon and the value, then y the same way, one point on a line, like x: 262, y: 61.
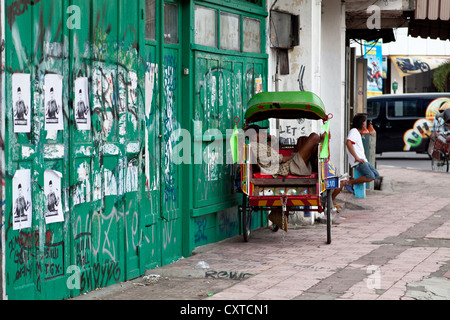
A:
x: 404, y: 122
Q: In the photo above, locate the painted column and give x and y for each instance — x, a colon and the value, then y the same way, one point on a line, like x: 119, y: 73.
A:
x: 332, y: 82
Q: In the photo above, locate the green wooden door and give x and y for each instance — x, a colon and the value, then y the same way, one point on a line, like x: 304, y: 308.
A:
x: 223, y: 86
x: 151, y: 247
x: 171, y: 104
x: 89, y: 50
x: 37, y: 254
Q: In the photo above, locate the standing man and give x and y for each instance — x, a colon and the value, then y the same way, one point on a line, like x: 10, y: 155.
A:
x: 356, y: 155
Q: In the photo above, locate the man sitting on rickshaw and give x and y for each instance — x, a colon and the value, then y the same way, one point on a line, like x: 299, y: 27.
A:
x: 302, y: 161
x: 271, y: 162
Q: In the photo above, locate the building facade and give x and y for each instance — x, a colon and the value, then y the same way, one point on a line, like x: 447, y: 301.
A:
x: 116, y: 115
x: 120, y: 96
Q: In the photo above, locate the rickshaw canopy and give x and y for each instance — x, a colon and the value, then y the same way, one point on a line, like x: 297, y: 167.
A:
x: 285, y: 105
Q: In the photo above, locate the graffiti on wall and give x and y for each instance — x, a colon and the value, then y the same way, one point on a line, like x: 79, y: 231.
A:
x: 221, y: 92
x: 108, y: 172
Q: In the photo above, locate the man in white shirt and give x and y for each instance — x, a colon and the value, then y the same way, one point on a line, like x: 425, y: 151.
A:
x: 356, y: 155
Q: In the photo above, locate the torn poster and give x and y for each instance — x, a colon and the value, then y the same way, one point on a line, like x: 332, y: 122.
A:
x: 52, y: 190
x: 82, y: 108
x: 150, y: 77
x: 54, y: 119
x: 22, y: 205
x: 21, y: 99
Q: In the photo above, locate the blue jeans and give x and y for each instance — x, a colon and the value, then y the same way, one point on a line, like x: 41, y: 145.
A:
x: 367, y: 170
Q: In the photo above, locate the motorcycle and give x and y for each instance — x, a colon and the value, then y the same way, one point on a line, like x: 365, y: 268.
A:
x: 405, y: 65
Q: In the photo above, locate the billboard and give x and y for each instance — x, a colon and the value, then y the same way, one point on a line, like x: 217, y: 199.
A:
x: 374, y: 55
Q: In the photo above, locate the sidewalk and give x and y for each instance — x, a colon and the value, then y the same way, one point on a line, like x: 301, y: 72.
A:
x: 394, y: 244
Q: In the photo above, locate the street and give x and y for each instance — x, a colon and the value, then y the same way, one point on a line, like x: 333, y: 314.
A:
x: 392, y: 245
x: 408, y: 160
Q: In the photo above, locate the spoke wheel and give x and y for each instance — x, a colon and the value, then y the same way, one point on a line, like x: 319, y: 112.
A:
x: 246, y: 218
x: 327, y: 207
x: 329, y: 217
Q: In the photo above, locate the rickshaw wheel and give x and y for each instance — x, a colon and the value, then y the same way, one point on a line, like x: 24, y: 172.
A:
x: 246, y: 218
x: 329, y: 222
x: 439, y: 161
x: 327, y: 206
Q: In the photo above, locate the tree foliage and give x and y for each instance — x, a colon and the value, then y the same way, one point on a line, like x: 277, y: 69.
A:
x: 441, y: 78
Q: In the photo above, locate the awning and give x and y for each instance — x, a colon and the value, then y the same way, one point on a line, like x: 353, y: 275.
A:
x: 432, y: 10
x: 429, y: 28
x: 431, y: 19
x: 386, y: 35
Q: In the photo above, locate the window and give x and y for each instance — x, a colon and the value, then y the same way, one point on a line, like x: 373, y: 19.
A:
x: 205, y: 26
x: 150, y: 21
x: 252, y: 35
x: 170, y: 23
x: 373, y: 109
x: 236, y: 32
x: 230, y: 31
x: 404, y: 108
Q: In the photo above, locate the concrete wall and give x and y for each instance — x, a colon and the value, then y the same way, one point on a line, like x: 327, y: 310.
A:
x: 316, y: 65
x: 332, y: 75
x: 407, y: 45
x: 304, y: 60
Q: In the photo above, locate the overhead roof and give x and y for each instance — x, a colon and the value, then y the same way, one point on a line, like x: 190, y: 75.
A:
x: 424, y: 18
x: 432, y: 10
x: 431, y: 19
x: 392, y: 15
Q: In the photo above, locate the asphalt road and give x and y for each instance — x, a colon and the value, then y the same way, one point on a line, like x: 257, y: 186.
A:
x: 410, y: 160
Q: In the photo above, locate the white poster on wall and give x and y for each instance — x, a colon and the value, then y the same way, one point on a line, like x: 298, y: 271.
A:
x: 22, y: 204
x: 82, y: 109
x: 52, y: 190
x: 54, y: 119
x: 21, y: 99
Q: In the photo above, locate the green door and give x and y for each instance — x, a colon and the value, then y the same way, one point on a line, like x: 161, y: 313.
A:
x: 106, y: 159
x: 171, y: 105
x: 87, y: 50
x: 37, y: 254
x: 152, y: 138
x: 162, y: 196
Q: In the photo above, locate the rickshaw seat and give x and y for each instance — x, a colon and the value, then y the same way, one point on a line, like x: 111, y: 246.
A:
x: 268, y: 176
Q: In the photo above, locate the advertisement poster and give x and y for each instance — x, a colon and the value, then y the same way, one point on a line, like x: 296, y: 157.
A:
x: 54, y: 119
x: 417, y: 137
x: 374, y: 56
x: 82, y: 108
x: 21, y: 99
x: 408, y: 65
x: 52, y: 190
x: 22, y: 207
